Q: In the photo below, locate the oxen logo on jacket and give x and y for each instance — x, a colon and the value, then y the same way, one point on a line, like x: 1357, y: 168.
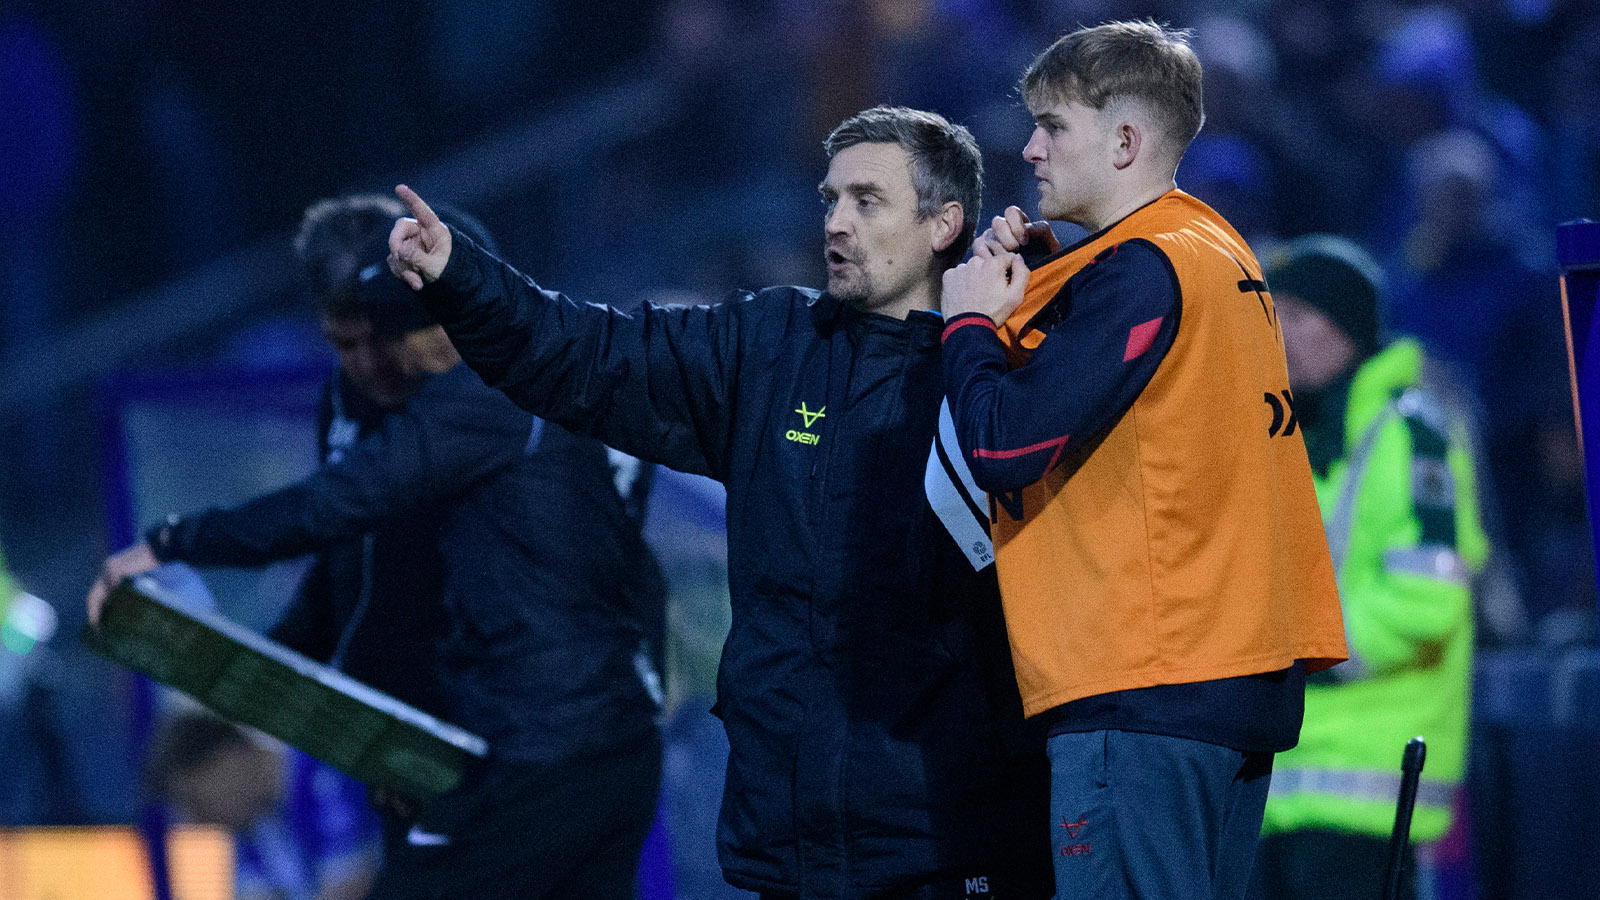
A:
x: 810, y: 418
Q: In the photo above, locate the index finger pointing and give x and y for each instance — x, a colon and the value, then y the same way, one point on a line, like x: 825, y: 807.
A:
x: 420, y: 210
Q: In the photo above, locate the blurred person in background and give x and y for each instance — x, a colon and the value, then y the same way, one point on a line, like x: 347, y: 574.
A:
x: 876, y: 747
x: 394, y: 649
x: 210, y: 771
x: 1461, y: 283
x: 1460, y: 277
x: 521, y: 542
x: 1426, y: 80
x: 1166, y: 581
x: 1397, y: 486
x: 1535, y: 466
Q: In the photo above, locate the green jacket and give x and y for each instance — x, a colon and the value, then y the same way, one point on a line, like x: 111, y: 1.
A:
x: 1401, y: 514
x: 8, y: 593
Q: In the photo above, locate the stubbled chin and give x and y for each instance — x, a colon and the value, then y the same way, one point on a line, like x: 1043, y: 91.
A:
x: 848, y: 289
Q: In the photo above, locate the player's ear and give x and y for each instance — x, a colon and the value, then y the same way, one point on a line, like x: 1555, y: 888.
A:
x: 1128, y: 140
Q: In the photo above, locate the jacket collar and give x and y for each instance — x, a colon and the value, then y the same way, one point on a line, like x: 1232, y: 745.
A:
x: 921, y: 328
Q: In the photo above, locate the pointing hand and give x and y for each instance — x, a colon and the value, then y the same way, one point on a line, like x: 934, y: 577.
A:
x: 419, y: 246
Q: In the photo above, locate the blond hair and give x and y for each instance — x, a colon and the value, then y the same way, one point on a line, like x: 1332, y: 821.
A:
x: 1141, y: 61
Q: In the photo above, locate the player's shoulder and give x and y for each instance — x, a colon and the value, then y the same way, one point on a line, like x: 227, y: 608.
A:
x: 1137, y: 261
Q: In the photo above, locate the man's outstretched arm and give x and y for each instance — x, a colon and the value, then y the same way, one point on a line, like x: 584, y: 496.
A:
x: 437, y: 447
x: 656, y: 383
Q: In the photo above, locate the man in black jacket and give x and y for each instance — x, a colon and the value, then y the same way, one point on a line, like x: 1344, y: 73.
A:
x: 545, y: 589
x: 330, y: 618
x: 866, y: 688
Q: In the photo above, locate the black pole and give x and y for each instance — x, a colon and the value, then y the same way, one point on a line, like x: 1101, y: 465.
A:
x: 1410, y: 773
x: 1578, y: 253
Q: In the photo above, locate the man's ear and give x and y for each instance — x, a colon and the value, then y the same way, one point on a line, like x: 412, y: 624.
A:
x: 1128, y: 137
x: 947, y: 226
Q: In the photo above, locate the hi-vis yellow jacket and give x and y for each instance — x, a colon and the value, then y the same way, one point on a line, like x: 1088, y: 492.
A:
x: 1402, y: 519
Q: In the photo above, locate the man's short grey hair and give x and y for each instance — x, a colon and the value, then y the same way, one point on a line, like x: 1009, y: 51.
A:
x: 945, y: 162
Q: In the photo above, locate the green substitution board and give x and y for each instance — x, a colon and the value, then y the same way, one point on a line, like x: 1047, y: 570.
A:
x: 256, y: 682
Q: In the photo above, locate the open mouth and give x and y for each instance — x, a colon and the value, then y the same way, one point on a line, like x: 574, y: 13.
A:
x: 835, y: 258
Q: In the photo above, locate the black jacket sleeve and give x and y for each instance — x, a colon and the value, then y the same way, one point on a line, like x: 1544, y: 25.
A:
x: 453, y: 433
x: 656, y: 384
x: 1105, y: 335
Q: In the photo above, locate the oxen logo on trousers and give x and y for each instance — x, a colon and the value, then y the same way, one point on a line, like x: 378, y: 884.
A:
x: 1073, y: 830
x: 809, y: 418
